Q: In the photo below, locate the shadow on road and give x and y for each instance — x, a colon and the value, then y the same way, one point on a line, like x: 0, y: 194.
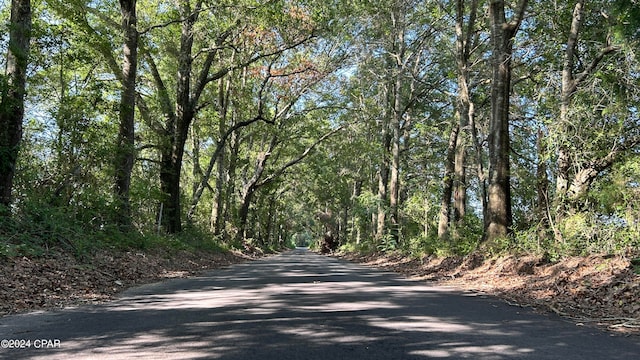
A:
x: 304, y: 306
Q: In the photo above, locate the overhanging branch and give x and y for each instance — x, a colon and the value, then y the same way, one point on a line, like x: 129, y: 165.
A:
x: 299, y: 159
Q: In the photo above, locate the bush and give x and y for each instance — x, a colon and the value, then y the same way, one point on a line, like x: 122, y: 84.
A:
x: 363, y: 247
x: 39, y: 228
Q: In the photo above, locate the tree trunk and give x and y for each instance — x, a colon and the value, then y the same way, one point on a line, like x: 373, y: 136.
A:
x: 125, y: 153
x: 454, y: 181
x: 464, y: 36
x: 460, y: 180
x: 397, y: 112
x: 219, y: 202
x: 502, y: 34
x: 344, y: 229
x: 229, y: 189
x: 480, y: 169
x: 542, y: 186
x: 394, y: 180
x: 243, y: 214
x: 178, y: 124
x: 250, y: 187
x: 383, y: 181
x: 170, y: 169
x: 569, y: 86
x: 356, y: 226
x: 224, y: 90
x: 447, y: 185
x: 590, y: 171
x: 271, y: 217
x: 566, y: 187
x: 12, y: 102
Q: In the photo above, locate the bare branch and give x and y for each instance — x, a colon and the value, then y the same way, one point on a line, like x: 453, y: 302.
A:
x: 105, y: 19
x: 165, y: 101
x: 514, y: 24
x: 594, y: 64
x: 222, y: 72
x: 297, y: 160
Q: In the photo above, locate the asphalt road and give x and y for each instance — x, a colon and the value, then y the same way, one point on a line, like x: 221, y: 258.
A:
x: 300, y: 305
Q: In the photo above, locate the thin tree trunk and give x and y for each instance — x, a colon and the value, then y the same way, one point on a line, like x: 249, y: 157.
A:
x: 356, y: 226
x: 569, y: 86
x: 460, y: 182
x: 243, y: 214
x: 223, y: 99
x: 251, y: 186
x: 464, y: 36
x: 229, y: 188
x: 454, y: 180
x: 12, y: 102
x: 447, y: 185
x: 196, y: 171
x: 480, y: 168
x: 383, y: 181
x: 394, y: 180
x: 271, y: 216
x: 542, y: 186
x: 344, y: 228
x: 219, y: 201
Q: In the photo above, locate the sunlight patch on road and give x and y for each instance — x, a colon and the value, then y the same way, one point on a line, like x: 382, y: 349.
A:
x: 264, y: 300
x: 143, y: 346
x: 473, y: 352
x: 325, y: 335
x: 347, y: 306
x: 421, y: 323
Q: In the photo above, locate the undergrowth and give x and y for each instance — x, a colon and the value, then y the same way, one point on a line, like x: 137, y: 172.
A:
x: 579, y: 235
x: 39, y: 230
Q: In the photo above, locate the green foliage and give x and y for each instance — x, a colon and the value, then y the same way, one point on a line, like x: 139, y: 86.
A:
x: 582, y: 234
x: 341, y: 76
x: 364, y: 247
x: 588, y: 233
x: 388, y: 243
x: 302, y: 239
x: 40, y: 228
x: 193, y: 239
x: 431, y: 245
x: 636, y: 265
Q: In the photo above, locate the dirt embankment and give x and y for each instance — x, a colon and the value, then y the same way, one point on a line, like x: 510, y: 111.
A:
x: 60, y: 279
x: 601, y: 291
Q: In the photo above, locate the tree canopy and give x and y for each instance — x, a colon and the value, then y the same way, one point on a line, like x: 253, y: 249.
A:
x: 434, y: 126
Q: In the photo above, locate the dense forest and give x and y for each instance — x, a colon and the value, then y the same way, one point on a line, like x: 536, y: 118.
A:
x: 429, y: 126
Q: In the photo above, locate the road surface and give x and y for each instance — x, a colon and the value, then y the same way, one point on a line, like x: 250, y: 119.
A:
x: 300, y: 305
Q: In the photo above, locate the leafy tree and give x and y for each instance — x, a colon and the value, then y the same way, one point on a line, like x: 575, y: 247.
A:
x: 125, y: 155
x: 357, y: 122
x: 13, y: 87
x: 467, y: 48
x: 502, y: 34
